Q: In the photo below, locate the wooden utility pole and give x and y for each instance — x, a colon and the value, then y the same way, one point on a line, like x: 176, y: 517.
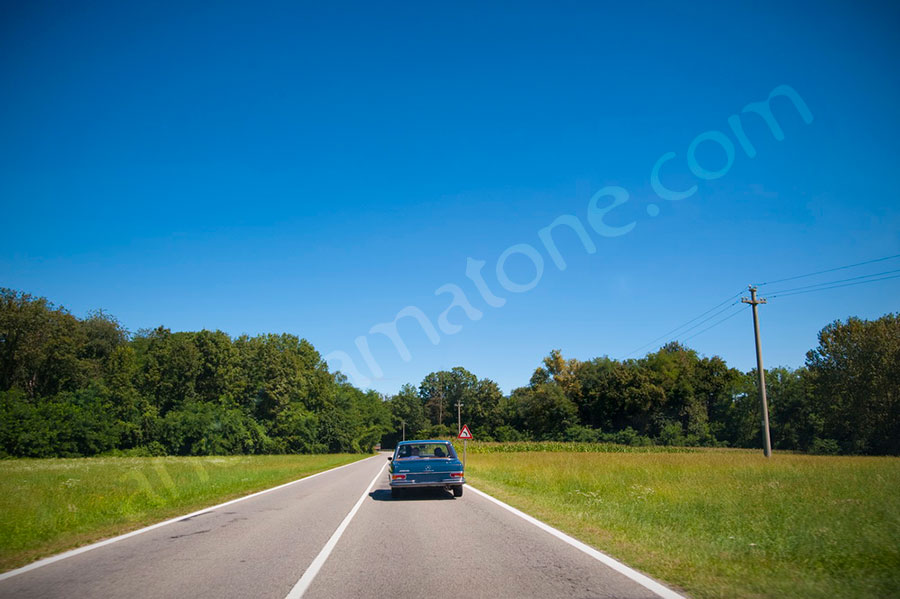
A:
x: 767, y: 442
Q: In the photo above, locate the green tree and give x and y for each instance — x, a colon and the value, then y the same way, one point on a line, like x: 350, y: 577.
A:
x: 406, y: 409
x: 40, y: 346
x: 855, y: 381
x: 544, y: 410
x: 442, y: 390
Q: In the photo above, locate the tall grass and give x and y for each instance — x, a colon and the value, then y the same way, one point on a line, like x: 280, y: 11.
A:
x: 719, y: 523
x: 47, y: 506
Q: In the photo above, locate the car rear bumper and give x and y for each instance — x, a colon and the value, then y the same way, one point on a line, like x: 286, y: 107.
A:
x: 455, y: 482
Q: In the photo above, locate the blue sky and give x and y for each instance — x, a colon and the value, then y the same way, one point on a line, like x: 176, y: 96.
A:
x: 275, y: 167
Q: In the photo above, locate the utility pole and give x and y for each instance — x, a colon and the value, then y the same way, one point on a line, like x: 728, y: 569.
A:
x: 403, y: 424
x: 459, y: 405
x: 767, y: 442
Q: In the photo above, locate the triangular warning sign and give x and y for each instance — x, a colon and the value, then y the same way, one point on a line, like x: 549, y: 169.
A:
x: 465, y: 433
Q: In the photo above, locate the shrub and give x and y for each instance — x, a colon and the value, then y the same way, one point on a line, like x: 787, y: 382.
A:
x: 825, y: 447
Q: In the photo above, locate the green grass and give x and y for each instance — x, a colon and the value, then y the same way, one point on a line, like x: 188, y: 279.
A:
x: 48, y: 506
x: 718, y: 523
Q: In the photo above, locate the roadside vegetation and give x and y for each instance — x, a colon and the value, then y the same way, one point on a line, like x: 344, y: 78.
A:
x: 845, y: 400
x: 716, y: 523
x: 73, y: 387
x: 51, y: 505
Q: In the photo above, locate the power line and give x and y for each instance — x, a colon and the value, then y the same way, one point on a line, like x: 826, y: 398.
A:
x: 783, y: 294
x: 681, y: 326
x: 706, y: 316
x: 712, y: 326
x: 710, y: 317
x: 874, y: 274
x: 830, y: 270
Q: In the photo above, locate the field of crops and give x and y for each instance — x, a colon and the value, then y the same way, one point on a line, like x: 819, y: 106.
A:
x: 715, y: 523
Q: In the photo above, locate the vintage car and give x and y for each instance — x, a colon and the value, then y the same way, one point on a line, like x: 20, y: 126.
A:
x: 430, y: 463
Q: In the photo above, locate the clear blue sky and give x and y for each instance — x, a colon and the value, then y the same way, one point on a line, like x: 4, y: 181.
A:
x: 268, y: 167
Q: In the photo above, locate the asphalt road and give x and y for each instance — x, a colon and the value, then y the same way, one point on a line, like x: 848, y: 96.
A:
x: 427, y: 544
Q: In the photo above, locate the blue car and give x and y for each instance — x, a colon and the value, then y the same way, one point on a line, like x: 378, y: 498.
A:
x: 430, y: 463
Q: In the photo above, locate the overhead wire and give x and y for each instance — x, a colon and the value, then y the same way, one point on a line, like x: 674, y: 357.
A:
x: 820, y: 272
x: 712, y: 326
x: 786, y: 294
x: 706, y: 316
x: 874, y: 274
x: 681, y: 326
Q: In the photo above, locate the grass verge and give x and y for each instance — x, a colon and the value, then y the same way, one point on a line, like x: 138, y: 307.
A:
x: 51, y: 505
x: 718, y: 523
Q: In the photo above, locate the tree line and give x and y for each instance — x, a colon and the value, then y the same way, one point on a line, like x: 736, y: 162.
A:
x: 84, y: 386
x: 80, y: 387
x: 845, y: 399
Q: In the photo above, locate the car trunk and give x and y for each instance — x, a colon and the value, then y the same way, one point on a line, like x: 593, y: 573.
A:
x: 425, y: 470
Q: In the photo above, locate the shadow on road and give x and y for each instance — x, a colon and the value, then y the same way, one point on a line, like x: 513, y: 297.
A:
x: 426, y: 494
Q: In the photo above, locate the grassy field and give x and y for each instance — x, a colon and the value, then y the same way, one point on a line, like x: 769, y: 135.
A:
x: 47, y: 506
x: 717, y: 523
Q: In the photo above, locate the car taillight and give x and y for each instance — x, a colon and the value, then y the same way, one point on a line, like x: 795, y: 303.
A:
x: 456, y: 474
x: 398, y: 477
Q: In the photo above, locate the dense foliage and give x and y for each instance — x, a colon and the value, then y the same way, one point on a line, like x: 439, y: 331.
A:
x: 845, y: 400
x: 78, y: 387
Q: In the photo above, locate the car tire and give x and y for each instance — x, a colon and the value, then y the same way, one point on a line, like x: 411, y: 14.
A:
x: 457, y: 491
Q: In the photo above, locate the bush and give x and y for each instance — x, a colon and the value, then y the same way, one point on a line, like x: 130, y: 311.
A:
x: 506, y: 434
x: 630, y: 437
x: 209, y: 429
x: 825, y: 447
x: 672, y: 434
x: 582, y: 434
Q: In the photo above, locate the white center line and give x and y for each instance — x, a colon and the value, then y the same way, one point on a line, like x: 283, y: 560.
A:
x: 316, y: 565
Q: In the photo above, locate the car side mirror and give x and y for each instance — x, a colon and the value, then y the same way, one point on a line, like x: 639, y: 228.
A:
x: 390, y: 458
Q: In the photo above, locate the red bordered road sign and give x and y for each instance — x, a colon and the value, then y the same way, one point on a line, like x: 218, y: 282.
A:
x: 465, y: 433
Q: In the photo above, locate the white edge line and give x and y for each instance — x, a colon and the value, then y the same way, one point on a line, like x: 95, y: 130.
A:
x: 316, y: 565
x: 641, y: 579
x: 73, y: 552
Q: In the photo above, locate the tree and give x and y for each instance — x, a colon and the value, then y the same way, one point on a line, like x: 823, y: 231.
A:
x: 614, y: 396
x: 794, y: 423
x: 442, y: 390
x: 407, y: 410
x: 544, y: 410
x: 39, y: 346
x: 855, y: 381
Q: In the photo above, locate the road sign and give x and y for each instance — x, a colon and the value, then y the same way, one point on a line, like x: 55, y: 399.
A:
x: 465, y: 434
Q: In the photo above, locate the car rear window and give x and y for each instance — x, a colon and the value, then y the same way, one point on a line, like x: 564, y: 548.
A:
x: 425, y: 450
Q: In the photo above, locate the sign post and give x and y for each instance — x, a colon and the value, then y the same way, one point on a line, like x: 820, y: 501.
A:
x: 465, y: 434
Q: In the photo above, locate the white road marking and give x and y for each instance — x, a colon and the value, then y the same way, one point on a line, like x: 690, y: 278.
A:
x: 316, y: 565
x: 644, y: 581
x: 61, y: 556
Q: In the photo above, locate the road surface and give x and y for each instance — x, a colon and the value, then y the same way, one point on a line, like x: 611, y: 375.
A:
x: 427, y: 544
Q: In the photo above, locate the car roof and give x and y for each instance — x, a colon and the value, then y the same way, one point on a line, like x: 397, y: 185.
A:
x: 423, y: 441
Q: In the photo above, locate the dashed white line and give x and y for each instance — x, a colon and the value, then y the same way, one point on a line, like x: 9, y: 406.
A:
x: 316, y: 565
x: 645, y: 581
x: 61, y: 556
